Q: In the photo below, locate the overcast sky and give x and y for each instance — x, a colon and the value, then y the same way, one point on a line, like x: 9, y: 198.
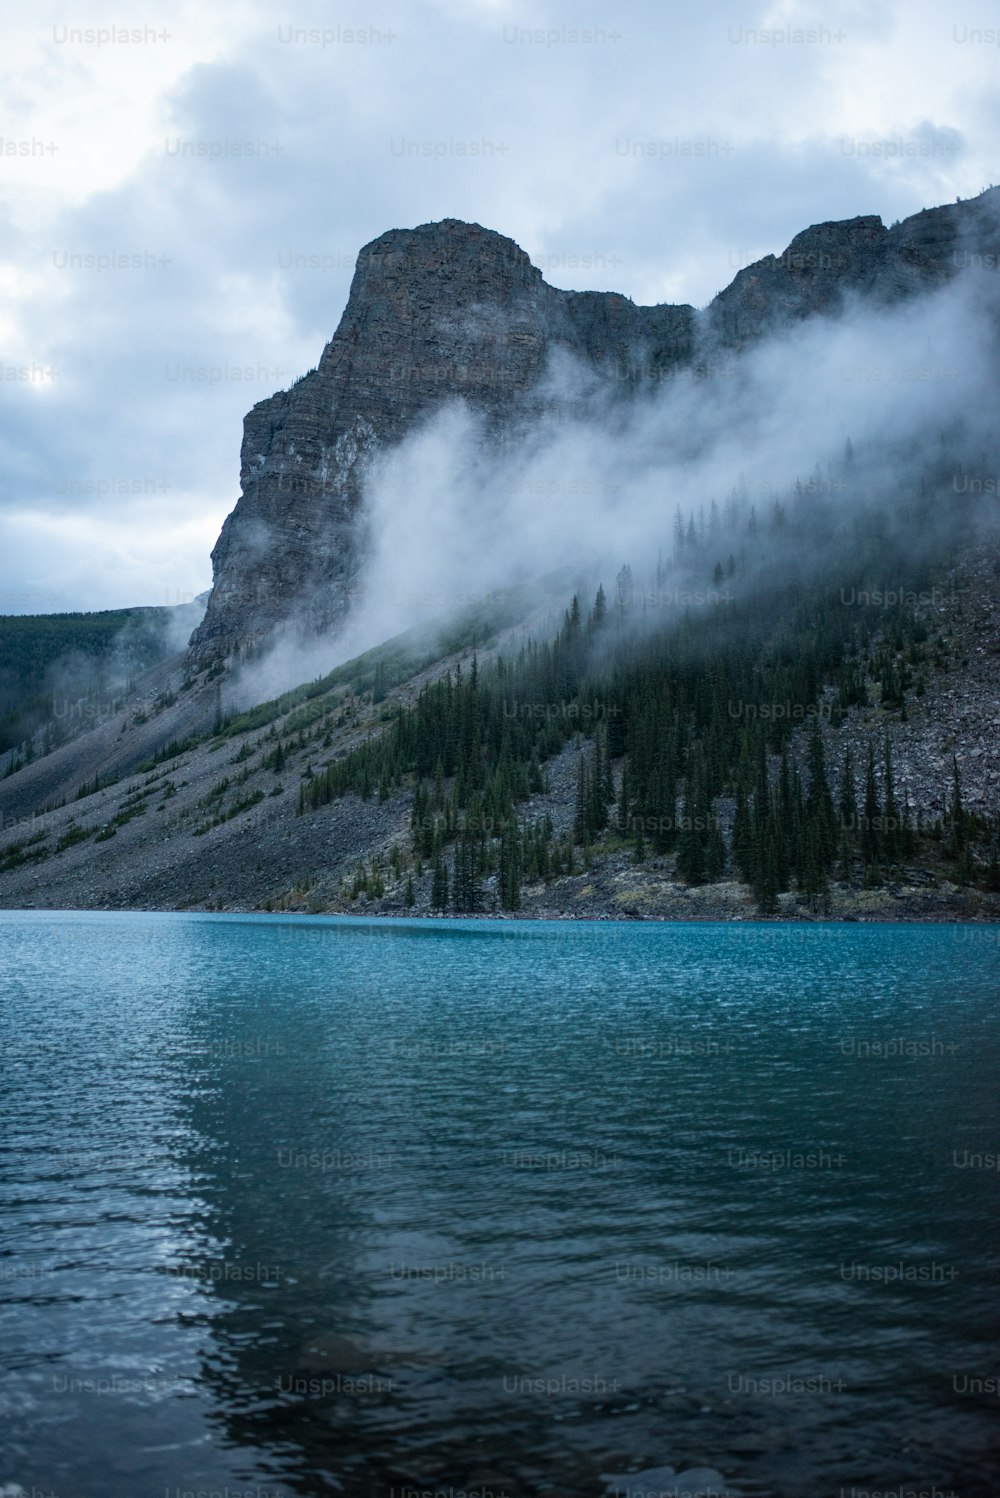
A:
x: 231, y: 166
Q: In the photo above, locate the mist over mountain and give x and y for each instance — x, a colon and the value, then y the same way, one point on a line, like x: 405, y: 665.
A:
x: 499, y: 750
x: 522, y: 579
x: 469, y: 426
x: 59, y: 669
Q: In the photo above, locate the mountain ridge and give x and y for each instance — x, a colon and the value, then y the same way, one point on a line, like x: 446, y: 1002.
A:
x: 451, y: 309
x: 657, y: 740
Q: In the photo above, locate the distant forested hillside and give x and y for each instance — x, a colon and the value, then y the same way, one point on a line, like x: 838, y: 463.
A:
x: 53, y: 665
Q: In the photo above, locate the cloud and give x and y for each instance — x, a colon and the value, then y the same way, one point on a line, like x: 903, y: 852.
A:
x: 453, y: 517
x: 308, y: 138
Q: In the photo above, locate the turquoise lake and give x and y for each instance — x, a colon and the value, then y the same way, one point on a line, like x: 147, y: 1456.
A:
x: 332, y: 1206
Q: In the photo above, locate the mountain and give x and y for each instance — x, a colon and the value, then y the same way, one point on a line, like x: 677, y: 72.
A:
x: 450, y: 310
x: 57, y: 667
x: 782, y: 700
x: 858, y: 257
x: 330, y: 798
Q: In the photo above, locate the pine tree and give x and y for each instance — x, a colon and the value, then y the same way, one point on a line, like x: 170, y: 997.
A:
x: 439, y: 883
x: 598, y: 616
x: 815, y: 882
x: 870, y: 840
x: 639, y: 841
x: 819, y: 803
x: 466, y: 893
x: 742, y: 836
x: 581, y: 824
x: 890, y: 818
x: 789, y: 844
x: 767, y: 853
x: 663, y: 798
x: 956, y: 812
x: 690, y: 848
x: 689, y: 863
x: 766, y: 880
x: 510, y: 868
x: 848, y: 815
x: 598, y: 798
x: 624, y: 802
x: 715, y: 849
x: 623, y: 590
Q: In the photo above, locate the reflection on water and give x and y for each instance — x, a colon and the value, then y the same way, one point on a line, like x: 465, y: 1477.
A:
x: 319, y: 1206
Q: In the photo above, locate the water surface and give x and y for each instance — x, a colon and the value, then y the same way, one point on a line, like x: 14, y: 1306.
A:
x: 318, y: 1206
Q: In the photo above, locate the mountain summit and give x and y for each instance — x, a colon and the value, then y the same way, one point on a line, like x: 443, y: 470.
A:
x: 453, y: 310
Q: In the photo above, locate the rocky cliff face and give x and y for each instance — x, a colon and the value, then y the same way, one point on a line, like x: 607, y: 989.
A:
x: 445, y: 310
x: 455, y: 310
x: 824, y: 264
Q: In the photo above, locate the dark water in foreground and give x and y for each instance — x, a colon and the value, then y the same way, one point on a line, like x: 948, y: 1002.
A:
x: 314, y: 1206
